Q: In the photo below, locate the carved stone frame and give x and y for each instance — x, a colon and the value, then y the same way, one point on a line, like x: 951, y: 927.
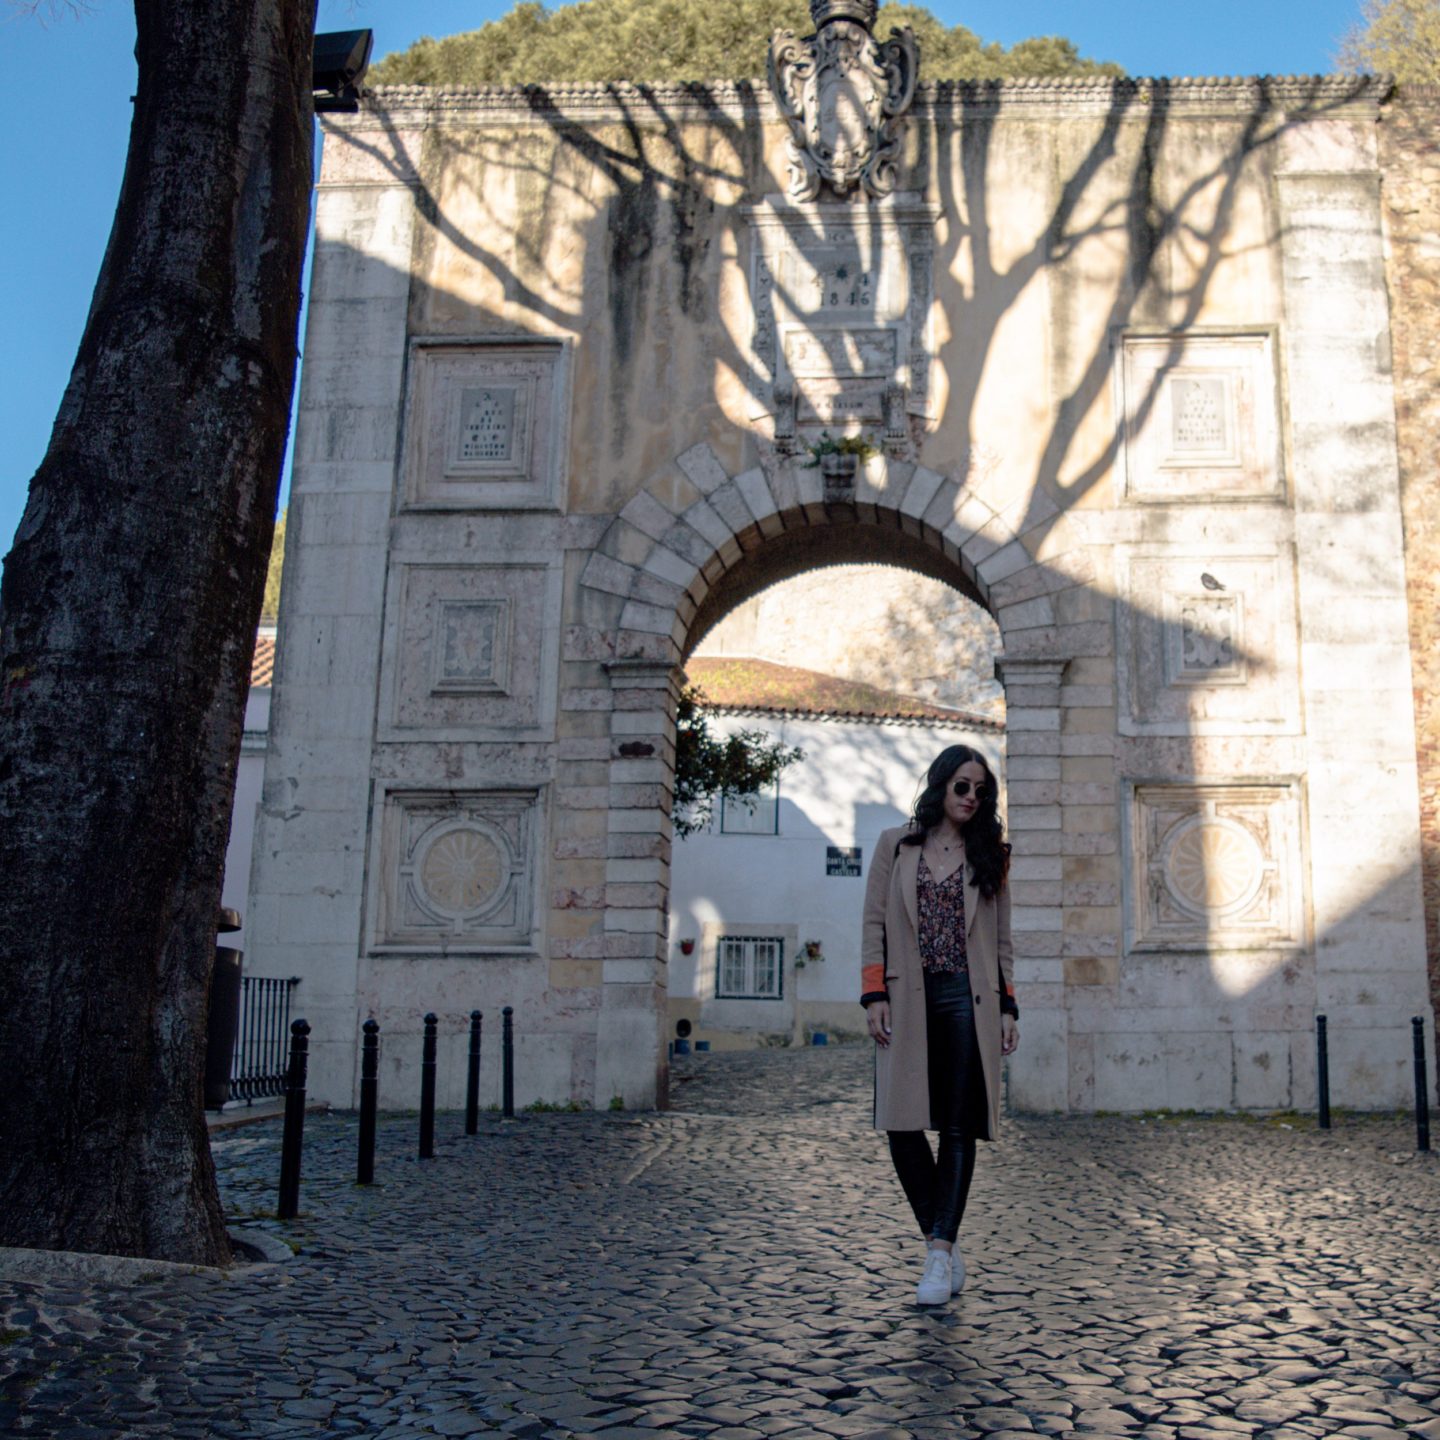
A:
x: 897, y: 239
x: 1217, y: 823
x: 410, y: 821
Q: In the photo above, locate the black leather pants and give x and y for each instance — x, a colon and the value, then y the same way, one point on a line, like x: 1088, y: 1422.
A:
x: 937, y: 1185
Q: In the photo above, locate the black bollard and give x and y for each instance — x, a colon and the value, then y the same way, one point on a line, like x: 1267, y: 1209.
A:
x: 1422, y: 1096
x: 369, y: 1097
x: 507, y: 1057
x: 427, y: 1091
x: 290, y: 1143
x: 1322, y: 1069
x: 472, y: 1077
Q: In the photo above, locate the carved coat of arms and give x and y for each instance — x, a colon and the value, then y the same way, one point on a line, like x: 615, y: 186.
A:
x: 844, y: 95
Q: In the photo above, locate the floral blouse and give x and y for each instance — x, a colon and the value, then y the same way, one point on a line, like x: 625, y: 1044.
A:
x: 942, y: 920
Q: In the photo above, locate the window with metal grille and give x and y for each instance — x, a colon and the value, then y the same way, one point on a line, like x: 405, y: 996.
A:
x: 749, y: 967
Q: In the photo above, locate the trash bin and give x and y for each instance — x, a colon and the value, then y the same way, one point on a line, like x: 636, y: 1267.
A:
x: 223, y: 1024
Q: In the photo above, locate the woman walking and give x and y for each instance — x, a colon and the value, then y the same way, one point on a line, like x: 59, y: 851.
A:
x: 939, y: 996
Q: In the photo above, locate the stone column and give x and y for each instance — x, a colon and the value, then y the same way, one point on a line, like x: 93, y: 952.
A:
x: 308, y: 873
x: 630, y: 1037
x: 1363, y: 796
x: 1039, y: 1071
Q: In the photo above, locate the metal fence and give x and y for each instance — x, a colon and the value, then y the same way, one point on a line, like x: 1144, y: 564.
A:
x: 257, y: 1071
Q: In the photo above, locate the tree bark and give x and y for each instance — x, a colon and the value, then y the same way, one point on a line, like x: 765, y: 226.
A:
x: 127, y: 621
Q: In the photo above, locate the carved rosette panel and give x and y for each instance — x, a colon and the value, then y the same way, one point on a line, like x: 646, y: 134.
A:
x: 1214, y: 867
x: 458, y: 869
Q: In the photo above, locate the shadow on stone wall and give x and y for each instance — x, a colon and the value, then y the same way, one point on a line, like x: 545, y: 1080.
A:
x: 662, y: 224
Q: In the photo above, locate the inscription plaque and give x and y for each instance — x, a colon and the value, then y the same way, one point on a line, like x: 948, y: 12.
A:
x: 1200, y: 417
x: 834, y: 278
x: 840, y: 374
x: 842, y: 317
x: 1199, y: 408
x: 487, y: 424
x: 490, y: 432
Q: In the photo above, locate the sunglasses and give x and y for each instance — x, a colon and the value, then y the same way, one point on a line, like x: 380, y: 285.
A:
x: 963, y: 787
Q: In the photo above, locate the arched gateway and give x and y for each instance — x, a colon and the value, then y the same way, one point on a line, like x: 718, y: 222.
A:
x: 575, y: 369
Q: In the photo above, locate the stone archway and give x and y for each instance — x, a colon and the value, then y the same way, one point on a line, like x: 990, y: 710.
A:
x: 659, y: 571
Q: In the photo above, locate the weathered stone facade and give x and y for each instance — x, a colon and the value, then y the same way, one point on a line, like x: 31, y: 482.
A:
x: 1124, y: 349
x: 1410, y: 164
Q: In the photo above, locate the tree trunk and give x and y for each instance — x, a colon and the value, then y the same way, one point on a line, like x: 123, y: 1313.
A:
x: 127, y: 621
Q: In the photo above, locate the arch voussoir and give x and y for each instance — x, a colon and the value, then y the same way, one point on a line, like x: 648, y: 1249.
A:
x: 702, y: 468
x: 665, y: 564
x: 1035, y: 613
x: 729, y: 505
x: 605, y: 573
x: 648, y: 515
x: 919, y: 493
x: 705, y: 520
x: 1007, y: 559
x: 760, y: 501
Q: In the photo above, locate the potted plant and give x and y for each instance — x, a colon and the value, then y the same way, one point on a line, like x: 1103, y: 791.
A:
x: 839, y: 458
x: 810, y: 952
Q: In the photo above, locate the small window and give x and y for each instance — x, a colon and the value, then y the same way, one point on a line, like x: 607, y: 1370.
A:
x: 749, y: 967
x: 755, y: 814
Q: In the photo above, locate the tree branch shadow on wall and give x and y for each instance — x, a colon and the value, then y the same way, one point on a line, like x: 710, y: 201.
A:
x: 660, y: 194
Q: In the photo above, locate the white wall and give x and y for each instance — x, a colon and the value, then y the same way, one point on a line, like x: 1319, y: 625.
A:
x: 903, y: 632
x: 248, y: 781
x: 855, y: 781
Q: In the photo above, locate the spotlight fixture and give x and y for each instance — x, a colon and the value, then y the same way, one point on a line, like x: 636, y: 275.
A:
x: 341, y: 59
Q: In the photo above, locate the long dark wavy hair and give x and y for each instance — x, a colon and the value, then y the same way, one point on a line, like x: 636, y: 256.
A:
x: 986, y: 848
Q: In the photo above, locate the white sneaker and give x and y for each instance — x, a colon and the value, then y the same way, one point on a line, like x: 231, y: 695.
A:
x: 957, y: 1273
x: 934, y: 1287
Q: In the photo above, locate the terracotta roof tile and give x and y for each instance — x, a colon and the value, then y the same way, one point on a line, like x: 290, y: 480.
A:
x: 741, y: 683
x: 262, y: 667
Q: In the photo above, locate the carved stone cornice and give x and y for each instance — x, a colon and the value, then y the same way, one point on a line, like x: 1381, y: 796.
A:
x: 747, y: 100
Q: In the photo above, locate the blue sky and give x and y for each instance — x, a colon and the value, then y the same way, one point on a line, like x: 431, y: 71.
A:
x: 65, y: 87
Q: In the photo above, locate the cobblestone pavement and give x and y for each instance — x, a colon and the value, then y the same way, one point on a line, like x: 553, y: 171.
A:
x: 743, y: 1267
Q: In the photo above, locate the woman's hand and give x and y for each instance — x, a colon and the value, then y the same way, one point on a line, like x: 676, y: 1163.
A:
x: 877, y: 1017
x: 1009, y: 1034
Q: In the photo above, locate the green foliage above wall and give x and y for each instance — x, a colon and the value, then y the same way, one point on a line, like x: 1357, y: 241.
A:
x: 270, y: 608
x: 1397, y: 37
x: 657, y: 40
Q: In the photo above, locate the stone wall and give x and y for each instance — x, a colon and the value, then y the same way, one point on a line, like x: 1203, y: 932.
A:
x: 1410, y: 162
x: 1128, y: 343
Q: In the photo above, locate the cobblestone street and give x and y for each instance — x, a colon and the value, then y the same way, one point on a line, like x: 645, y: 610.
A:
x: 743, y: 1266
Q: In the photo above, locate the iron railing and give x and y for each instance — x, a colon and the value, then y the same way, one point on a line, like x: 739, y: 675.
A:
x: 257, y: 1071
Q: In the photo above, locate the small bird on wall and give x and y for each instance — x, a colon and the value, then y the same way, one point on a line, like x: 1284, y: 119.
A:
x: 1209, y: 581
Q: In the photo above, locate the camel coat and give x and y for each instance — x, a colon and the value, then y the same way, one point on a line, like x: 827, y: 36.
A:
x: 890, y: 960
